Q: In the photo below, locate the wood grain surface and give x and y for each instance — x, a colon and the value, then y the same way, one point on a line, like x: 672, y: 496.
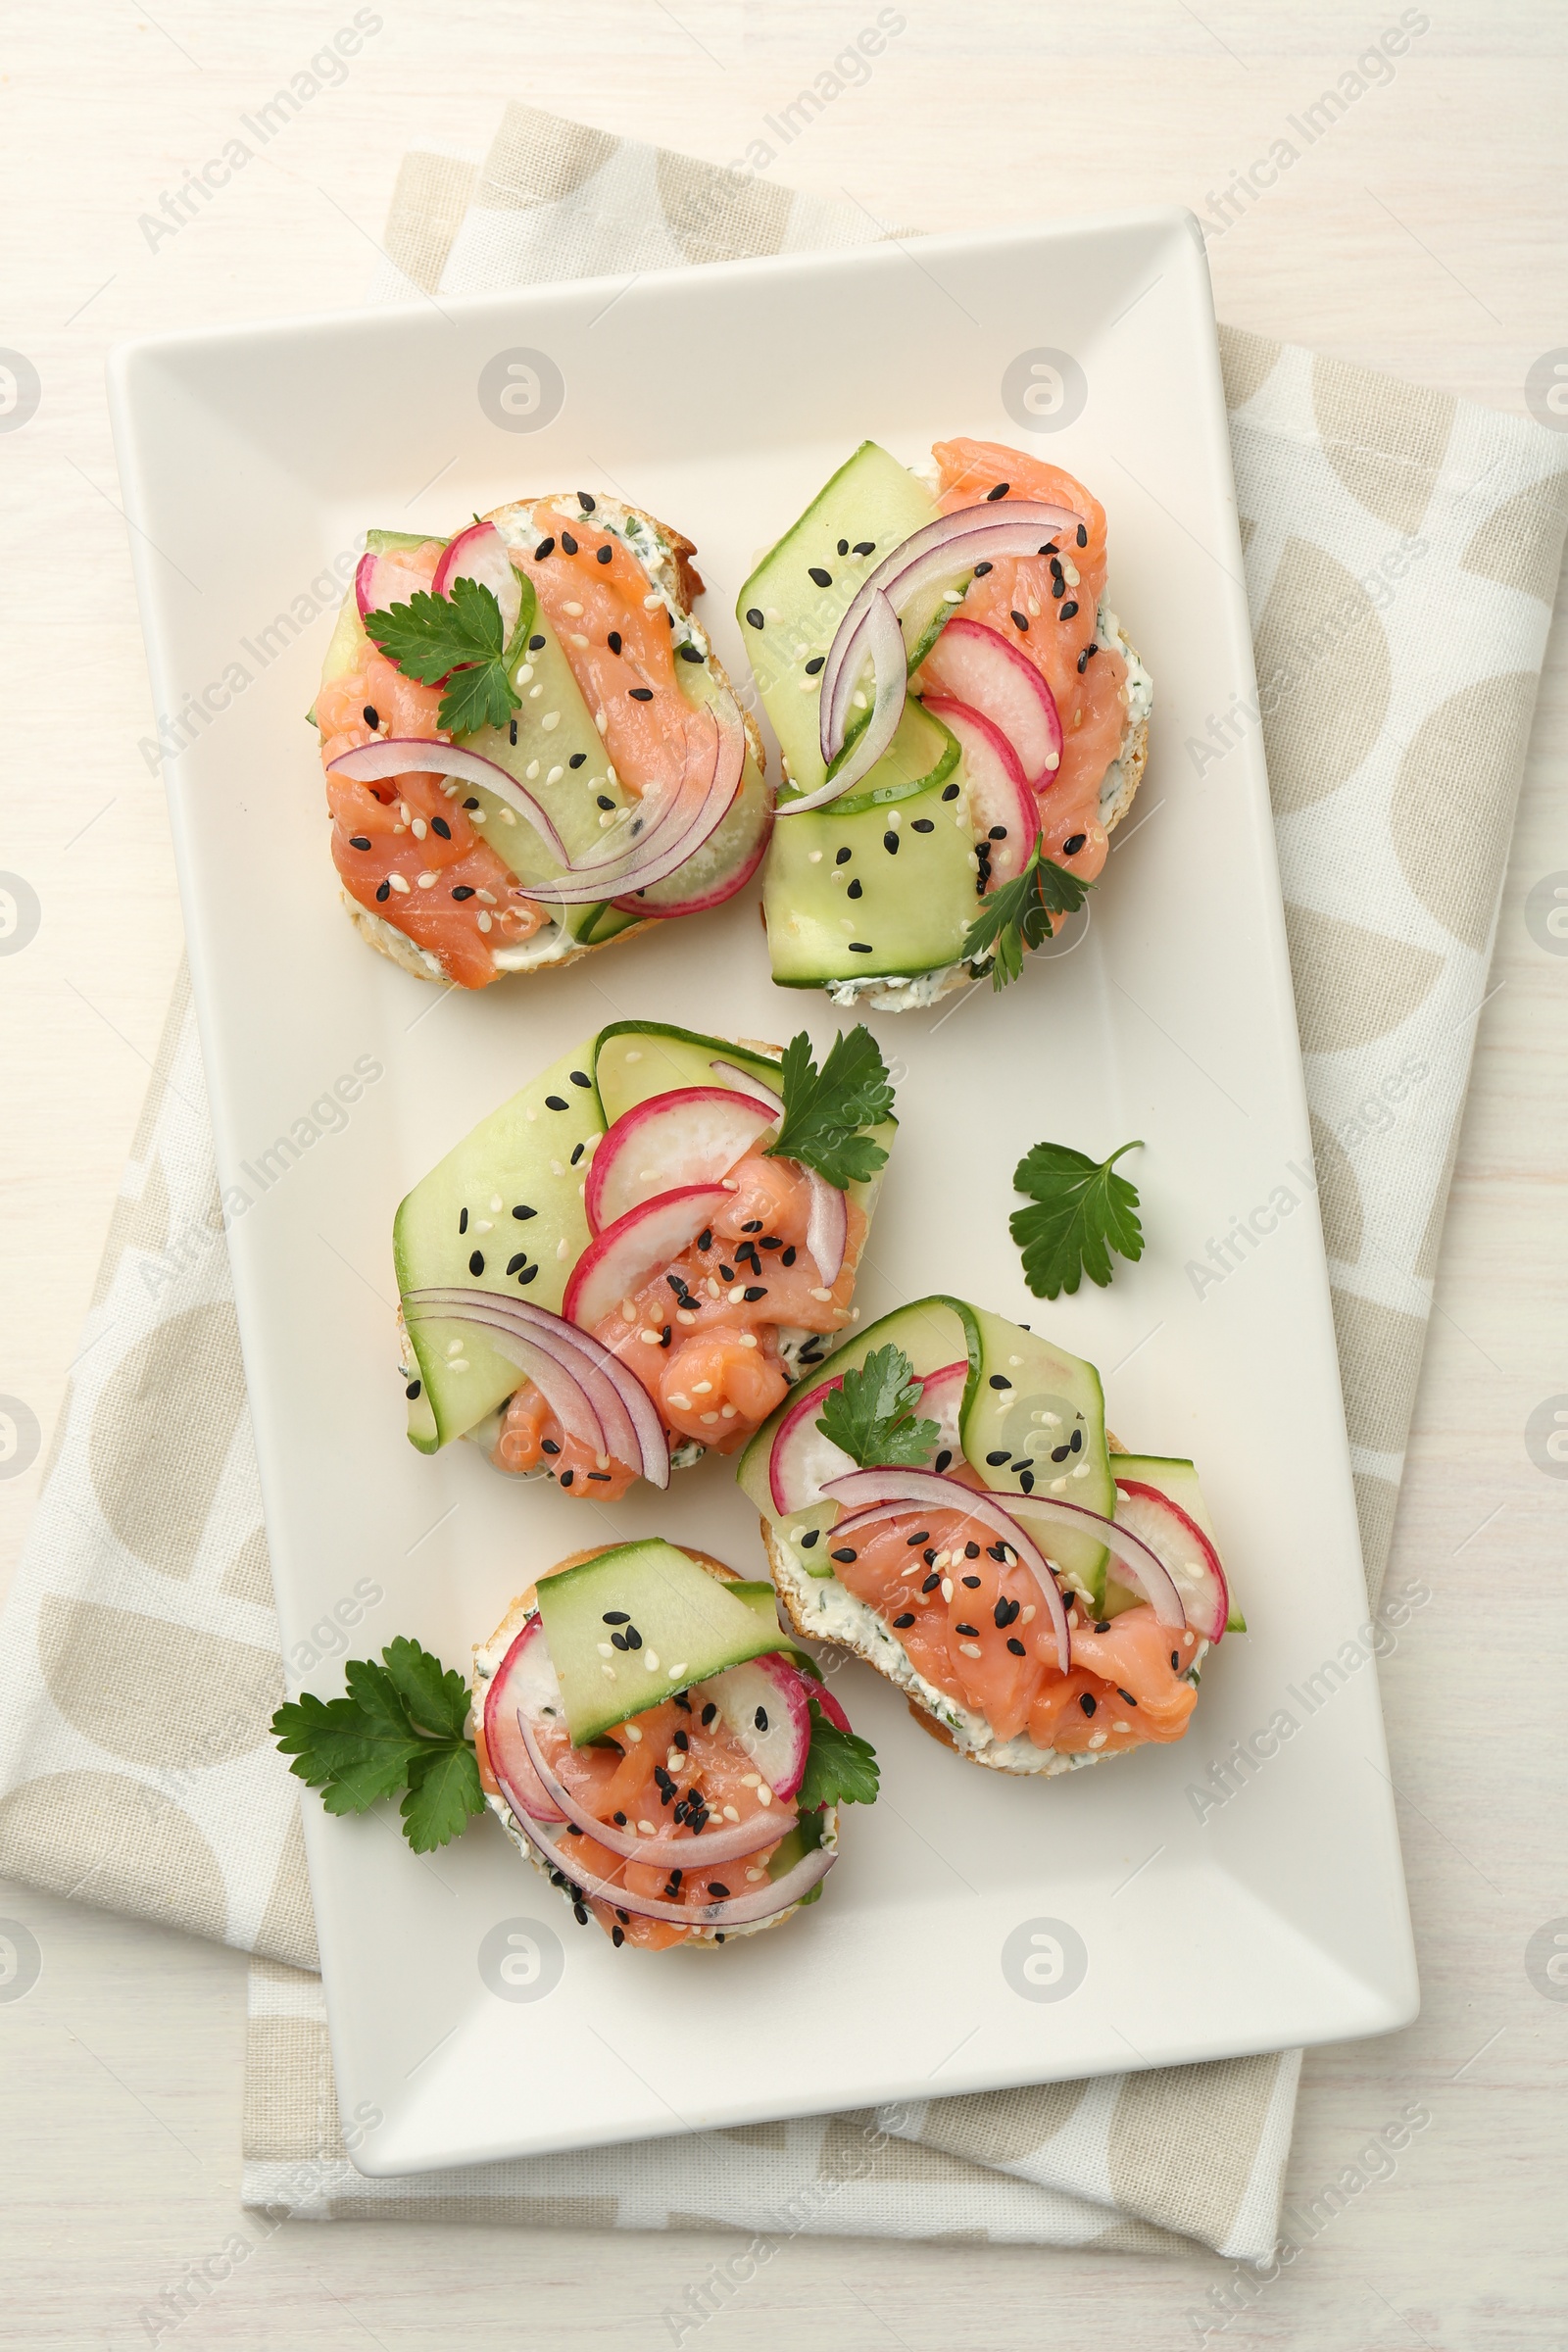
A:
x: 1422, y: 234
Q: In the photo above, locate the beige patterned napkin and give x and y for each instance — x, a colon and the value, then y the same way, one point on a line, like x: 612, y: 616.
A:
x: 1402, y: 552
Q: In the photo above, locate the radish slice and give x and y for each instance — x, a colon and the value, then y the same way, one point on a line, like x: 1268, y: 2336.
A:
x: 942, y: 1401
x: 875, y: 1494
x: 952, y: 544
x: 480, y: 553
x: 413, y: 754
x: 881, y: 637
x: 1002, y: 807
x: 746, y: 1084
x: 1138, y: 1565
x: 525, y: 1681
x: 803, y: 1460
x: 828, y: 1704
x: 379, y: 581
x: 588, y: 1363
x: 725, y: 1844
x: 828, y: 1226
x: 763, y: 1705
x: 619, y: 1260
x: 740, y: 1910
x: 693, y: 1134
x: 1189, y: 1558
x: 980, y: 668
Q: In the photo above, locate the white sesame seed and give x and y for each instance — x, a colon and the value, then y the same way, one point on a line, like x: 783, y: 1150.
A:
x: 398, y: 884
x: 562, y: 1246
x: 403, y: 810
x: 651, y: 604
x: 634, y: 1734
x: 482, y: 1225
x: 647, y: 1827
x: 551, y: 718
x: 609, y: 1672
x: 483, y: 920
x: 534, y: 692
x: 764, y: 1795
x: 726, y: 1412
x: 713, y: 1287
x: 1026, y: 1614
x: 628, y: 1311
x: 1058, y: 1486
x: 524, y: 672
x: 531, y: 770
x: 680, y: 1669
x: 858, y: 701
x: 651, y: 1660
x: 946, y: 1587
x: 1098, y: 1740
x: 418, y: 828
x: 969, y: 1650
x: 476, y: 816
x: 454, y: 1347
x: 952, y: 596
x: 702, y: 1388
x: 648, y: 1339
x: 1082, y: 1470
x: 814, y: 856
x: 1121, y: 1727
x: 682, y: 1404
x: 429, y: 881
x: 555, y: 775
x: 752, y: 1875
x: 458, y: 1363
x: 747, y: 1339
x: 707, y: 1419
x: 558, y: 1167
x: 576, y: 638
x: 606, y: 821
x: 599, y: 721
x: 751, y: 1780
x: 610, y: 777
x: 575, y: 609
x: 820, y: 1294
x: 685, y: 1314
x: 1034, y: 608
x: 603, y: 1649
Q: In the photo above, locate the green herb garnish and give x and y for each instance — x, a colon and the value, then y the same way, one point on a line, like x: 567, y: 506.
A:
x: 1082, y: 1211
x: 1017, y: 914
x: 825, y: 1109
x: 459, y: 637
x: 869, y: 1415
x: 400, y: 1727
x: 841, y: 1767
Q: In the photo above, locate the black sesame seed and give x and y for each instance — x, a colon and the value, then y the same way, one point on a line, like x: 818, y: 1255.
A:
x: 370, y: 715
x: 682, y: 1740
x: 814, y: 665
x: 914, y: 1542
x: 788, y: 1257
x: 634, y: 1639
x: 546, y: 547
x: 1059, y: 1453
x: 618, y: 1640
x: 604, y: 553
x: 576, y: 760
x: 753, y: 615
x: 1175, y: 1661
x: 907, y: 1618
x: 692, y: 653
x: 1005, y: 1613
x: 753, y: 1291
x: 1073, y: 844
x: 1026, y: 1480
x: 617, y: 1937
x: 470, y: 803
x: 950, y: 792
x: 385, y: 892
x: 568, y: 545
x: 753, y: 1225
x: 522, y: 1212
x: 603, y: 799
x: 973, y: 1631
x: 931, y: 1582
x: 944, y: 1457
x: 1020, y: 620
x: 1126, y: 1694
x: 580, y: 1912
x: 513, y: 1264
x: 477, y: 1263
x: 462, y: 1221
x: 536, y: 645
x: 1000, y: 1380
x: 359, y: 841
x: 727, y: 1273
x: 813, y: 1535
x: 555, y: 1102
x: 981, y: 569
x: 1083, y: 536
x: 641, y: 694
x: 890, y: 842
x: 527, y: 1274
x: 855, y: 890
x: 1016, y: 1647
x: 1001, y: 491
x: 412, y: 1389
x: 1068, y: 610
x: 997, y: 833
x: 577, y: 1151
x: 865, y: 547
x: 930, y: 1557
x: 996, y: 1551
x: 566, y: 1478
x: 823, y: 579
x: 843, y: 857
x: 1083, y: 660
x: 1056, y: 565
x: 585, y: 500
x: 664, y: 1336
x: 438, y: 824
x: 844, y: 547
x: 861, y: 947
x: 845, y: 1554
x: 1088, y: 1701
x: 972, y: 1552
x: 681, y: 1701
x: 548, y: 1445
x: 925, y: 824
x: 972, y: 1582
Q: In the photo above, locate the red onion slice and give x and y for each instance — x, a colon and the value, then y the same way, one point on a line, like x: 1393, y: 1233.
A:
x: 577, y: 1352
x: 953, y: 543
x: 828, y: 1227
x: 675, y: 837
x: 480, y: 553
x: 870, y: 1494
x: 884, y: 642
x: 733, y: 1075
x: 728, y: 1845
x: 413, y: 754
x: 1143, y: 1568
x: 739, y: 1910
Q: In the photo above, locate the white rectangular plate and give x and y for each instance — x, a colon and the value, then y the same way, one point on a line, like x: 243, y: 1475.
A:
x: 721, y: 398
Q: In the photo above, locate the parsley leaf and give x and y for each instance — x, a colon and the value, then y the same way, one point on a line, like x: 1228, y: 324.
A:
x: 825, y: 1109
x: 869, y: 1415
x: 399, y: 1728
x: 456, y: 640
x: 1017, y: 914
x: 841, y: 1767
x: 1082, y: 1211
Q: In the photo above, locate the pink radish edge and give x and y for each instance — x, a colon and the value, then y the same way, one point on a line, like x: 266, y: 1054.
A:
x: 975, y: 665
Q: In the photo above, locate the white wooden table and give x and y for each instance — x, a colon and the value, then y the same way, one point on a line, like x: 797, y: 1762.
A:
x: 1423, y: 234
